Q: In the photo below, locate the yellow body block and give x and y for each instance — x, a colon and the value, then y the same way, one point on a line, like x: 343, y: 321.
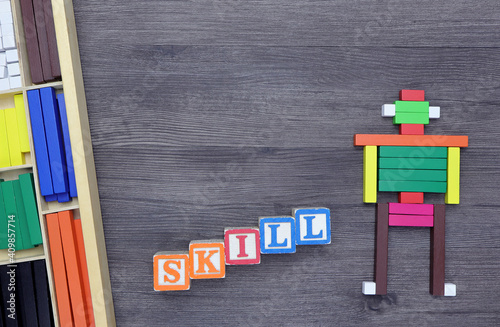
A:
x: 16, y: 156
x: 452, y: 195
x: 4, y: 142
x: 370, y: 174
x: 22, y: 125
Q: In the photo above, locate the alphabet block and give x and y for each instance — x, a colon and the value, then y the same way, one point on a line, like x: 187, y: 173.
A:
x: 171, y: 271
x: 277, y: 235
x: 206, y: 259
x: 242, y: 246
x: 312, y: 226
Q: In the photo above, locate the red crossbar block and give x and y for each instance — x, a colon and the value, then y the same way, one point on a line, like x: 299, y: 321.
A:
x: 411, y: 197
x: 411, y: 220
x: 411, y: 95
x: 411, y: 129
x: 411, y: 209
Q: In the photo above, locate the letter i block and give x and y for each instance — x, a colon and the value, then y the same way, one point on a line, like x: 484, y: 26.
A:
x: 242, y: 246
x: 171, y: 271
x: 207, y: 259
x: 277, y: 235
x: 312, y: 226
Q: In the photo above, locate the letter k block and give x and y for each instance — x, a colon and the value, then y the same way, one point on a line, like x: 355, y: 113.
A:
x: 207, y: 259
x: 312, y: 226
x: 277, y: 235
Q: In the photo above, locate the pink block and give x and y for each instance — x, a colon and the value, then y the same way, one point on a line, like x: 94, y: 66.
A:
x: 411, y: 209
x: 411, y: 220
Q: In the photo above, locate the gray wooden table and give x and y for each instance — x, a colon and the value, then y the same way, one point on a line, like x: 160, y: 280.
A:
x: 207, y: 114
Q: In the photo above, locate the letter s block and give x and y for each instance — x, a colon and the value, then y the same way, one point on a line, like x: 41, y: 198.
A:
x: 277, y: 235
x: 312, y: 226
x: 171, y: 271
x: 207, y: 259
x: 242, y: 246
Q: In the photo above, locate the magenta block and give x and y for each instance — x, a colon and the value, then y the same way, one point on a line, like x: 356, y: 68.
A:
x: 411, y: 220
x: 411, y: 209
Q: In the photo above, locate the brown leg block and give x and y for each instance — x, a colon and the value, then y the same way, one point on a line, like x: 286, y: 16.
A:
x: 381, y: 248
x: 437, y: 251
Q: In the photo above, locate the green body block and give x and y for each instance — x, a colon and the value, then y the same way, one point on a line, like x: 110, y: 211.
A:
x: 412, y: 175
x: 412, y: 163
x: 412, y: 106
x: 413, y: 152
x: 412, y: 186
x: 28, y: 192
x: 3, y: 221
x: 411, y: 118
x: 22, y: 222
x: 9, y: 200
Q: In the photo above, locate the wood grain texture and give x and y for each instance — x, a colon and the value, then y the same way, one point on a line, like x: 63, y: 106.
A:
x: 208, y: 114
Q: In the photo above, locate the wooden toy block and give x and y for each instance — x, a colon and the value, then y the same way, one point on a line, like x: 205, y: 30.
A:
x: 242, y: 246
x: 7, y: 29
x: 9, y: 200
x: 411, y: 209
x: 51, y: 39
x: 53, y: 133
x: 171, y: 271
x: 63, y: 197
x: 206, y: 259
x: 22, y: 222
x: 6, y: 17
x: 421, y: 107
x: 411, y: 220
x: 312, y: 226
x: 43, y: 44
x: 277, y: 235
x: 31, y: 37
x: 67, y: 146
x: 381, y: 248
x: 13, y: 69
x: 75, y: 283
x: 413, y: 163
x: 438, y: 251
x: 10, y: 56
x: 412, y: 186
x: 4, y: 84
x: 42, y: 293
x: 369, y: 288
x: 3, y: 222
x: 4, y: 142
x: 434, y: 112
x: 413, y: 152
x: 411, y: 118
x: 450, y: 289
x: 412, y: 95
x: 388, y: 110
x: 50, y: 198
x: 26, y: 293
x: 452, y: 195
x: 59, y: 270
x: 16, y: 156
x: 4, y: 72
x: 370, y: 174
x: 15, y: 82
x: 40, y: 143
x: 411, y: 197
x: 5, y: 7
x: 8, y: 42
x: 411, y: 140
x: 411, y: 129
x: 412, y: 175
x: 22, y: 123
x: 82, y: 265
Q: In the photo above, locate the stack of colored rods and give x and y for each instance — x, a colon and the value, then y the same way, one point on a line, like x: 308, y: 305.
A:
x: 14, y: 140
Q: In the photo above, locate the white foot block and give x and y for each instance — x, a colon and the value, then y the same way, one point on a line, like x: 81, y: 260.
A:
x: 450, y: 289
x: 388, y: 110
x: 369, y: 288
x: 434, y: 112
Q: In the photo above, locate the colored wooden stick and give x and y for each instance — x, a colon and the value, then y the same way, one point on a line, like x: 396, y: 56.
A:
x: 22, y: 123
x: 438, y: 251
x: 411, y: 197
x: 32, y: 41
x: 411, y: 209
x: 412, y: 95
x: 381, y: 248
x: 411, y: 129
x: 452, y: 195
x: 411, y: 220
x: 370, y: 174
x: 411, y: 140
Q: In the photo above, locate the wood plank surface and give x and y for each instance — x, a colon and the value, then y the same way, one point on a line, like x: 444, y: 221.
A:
x: 208, y: 114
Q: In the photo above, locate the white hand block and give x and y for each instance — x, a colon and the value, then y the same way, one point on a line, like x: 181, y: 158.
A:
x: 5, y: 6
x: 11, y: 56
x: 3, y: 72
x: 7, y: 29
x: 3, y: 59
x: 369, y: 288
x: 450, y: 289
x: 15, y: 82
x: 388, y: 110
x: 5, y: 18
x: 4, y: 84
x: 434, y: 112
x: 9, y: 42
x: 13, y: 69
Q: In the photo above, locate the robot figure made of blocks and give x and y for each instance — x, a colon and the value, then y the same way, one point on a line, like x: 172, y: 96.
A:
x: 411, y: 163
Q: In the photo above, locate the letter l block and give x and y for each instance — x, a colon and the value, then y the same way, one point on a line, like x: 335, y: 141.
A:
x: 277, y: 235
x: 312, y: 226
